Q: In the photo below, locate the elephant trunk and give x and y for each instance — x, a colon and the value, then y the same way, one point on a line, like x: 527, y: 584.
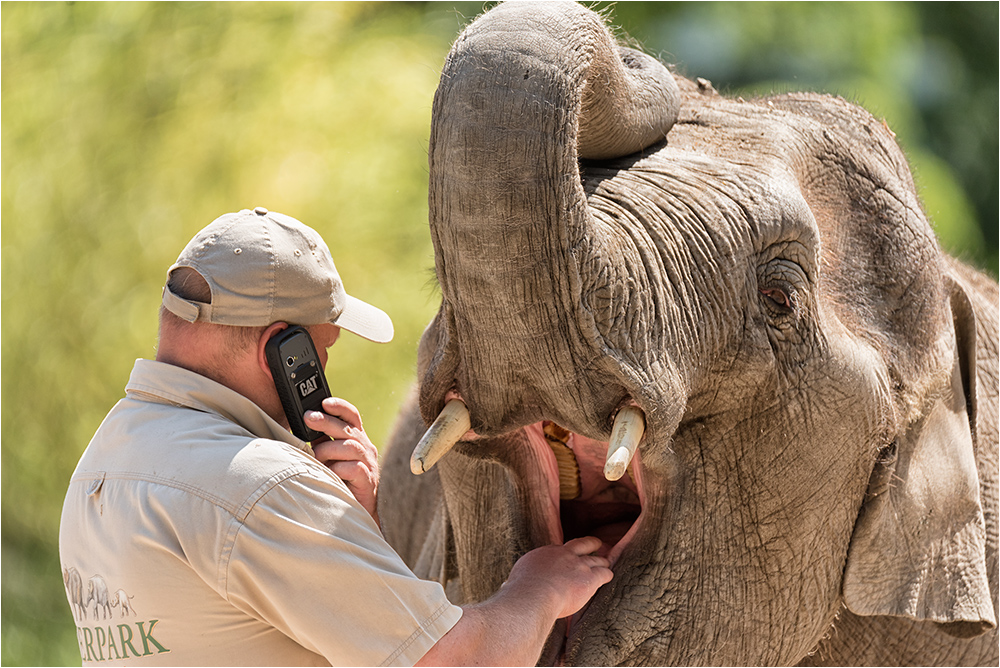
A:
x: 515, y: 111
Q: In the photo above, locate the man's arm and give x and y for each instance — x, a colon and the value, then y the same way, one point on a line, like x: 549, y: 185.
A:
x: 510, y: 628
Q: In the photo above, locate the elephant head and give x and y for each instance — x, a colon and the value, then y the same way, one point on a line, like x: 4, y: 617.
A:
x: 744, y: 302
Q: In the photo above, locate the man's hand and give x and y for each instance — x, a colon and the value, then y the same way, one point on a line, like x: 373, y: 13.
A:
x: 510, y: 628
x: 348, y: 452
x: 568, y: 575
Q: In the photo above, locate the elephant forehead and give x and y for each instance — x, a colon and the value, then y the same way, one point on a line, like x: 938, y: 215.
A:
x: 747, y: 205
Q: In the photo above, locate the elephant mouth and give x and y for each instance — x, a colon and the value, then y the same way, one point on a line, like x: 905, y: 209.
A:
x: 586, y: 501
x: 581, y: 501
x: 585, y: 487
x: 588, y: 488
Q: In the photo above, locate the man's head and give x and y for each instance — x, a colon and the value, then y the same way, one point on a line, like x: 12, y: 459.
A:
x: 242, y: 279
x: 263, y: 267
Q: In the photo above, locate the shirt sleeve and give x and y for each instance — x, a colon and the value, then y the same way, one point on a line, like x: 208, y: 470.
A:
x: 310, y: 561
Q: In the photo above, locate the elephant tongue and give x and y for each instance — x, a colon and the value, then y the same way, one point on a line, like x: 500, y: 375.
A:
x: 590, y: 504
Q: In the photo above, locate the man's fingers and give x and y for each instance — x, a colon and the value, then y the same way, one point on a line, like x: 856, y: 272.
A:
x: 604, y: 573
x: 351, y: 471
x: 348, y: 453
x: 330, y: 425
x: 585, y: 545
x: 361, y: 481
x: 338, y: 430
x: 344, y: 410
x: 344, y: 450
x: 595, y: 562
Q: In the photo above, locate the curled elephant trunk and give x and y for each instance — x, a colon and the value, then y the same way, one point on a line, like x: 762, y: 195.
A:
x: 515, y: 111
x: 612, y: 100
x: 629, y: 101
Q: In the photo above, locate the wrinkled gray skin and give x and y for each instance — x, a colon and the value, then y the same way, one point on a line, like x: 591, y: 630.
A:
x: 818, y: 476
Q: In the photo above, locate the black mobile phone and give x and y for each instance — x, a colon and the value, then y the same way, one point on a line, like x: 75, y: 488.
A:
x: 298, y: 377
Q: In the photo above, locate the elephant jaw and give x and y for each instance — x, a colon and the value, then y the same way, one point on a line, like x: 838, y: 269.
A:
x: 580, y: 500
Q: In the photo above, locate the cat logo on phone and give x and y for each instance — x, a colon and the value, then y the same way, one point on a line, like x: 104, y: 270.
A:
x: 308, y: 386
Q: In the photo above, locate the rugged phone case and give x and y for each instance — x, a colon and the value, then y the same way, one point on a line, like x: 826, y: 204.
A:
x: 298, y: 377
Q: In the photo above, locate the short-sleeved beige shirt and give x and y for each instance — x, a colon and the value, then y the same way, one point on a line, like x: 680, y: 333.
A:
x: 196, y: 530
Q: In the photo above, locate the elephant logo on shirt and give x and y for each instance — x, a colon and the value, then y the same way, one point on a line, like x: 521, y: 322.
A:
x: 97, y: 594
x: 99, y: 636
x: 74, y: 592
x: 123, y: 600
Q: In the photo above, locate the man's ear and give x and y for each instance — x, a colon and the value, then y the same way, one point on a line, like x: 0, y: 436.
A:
x: 262, y: 345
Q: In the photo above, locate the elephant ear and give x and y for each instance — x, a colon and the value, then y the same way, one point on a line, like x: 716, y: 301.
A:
x: 919, y: 544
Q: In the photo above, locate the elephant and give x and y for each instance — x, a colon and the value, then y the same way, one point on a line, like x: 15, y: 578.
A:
x: 122, y: 599
x: 97, y: 592
x: 74, y: 592
x: 720, y: 335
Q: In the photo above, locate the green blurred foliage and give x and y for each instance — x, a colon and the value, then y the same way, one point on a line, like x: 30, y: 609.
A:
x: 126, y: 127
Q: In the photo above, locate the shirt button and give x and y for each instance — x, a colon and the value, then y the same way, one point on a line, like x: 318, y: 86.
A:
x: 96, y: 484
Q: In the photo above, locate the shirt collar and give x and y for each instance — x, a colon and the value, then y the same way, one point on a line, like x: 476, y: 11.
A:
x: 168, y: 384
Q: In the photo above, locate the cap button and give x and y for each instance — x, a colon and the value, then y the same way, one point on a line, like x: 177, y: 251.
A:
x: 260, y: 211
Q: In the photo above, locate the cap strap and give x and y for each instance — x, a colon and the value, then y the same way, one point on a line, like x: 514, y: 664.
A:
x: 182, y: 308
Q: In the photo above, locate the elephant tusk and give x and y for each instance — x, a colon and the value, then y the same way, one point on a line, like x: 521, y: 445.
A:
x: 630, y: 424
x: 447, y: 430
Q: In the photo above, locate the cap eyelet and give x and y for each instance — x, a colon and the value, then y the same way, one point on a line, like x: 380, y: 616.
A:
x: 237, y: 251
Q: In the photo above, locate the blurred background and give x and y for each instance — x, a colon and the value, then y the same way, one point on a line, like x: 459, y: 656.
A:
x: 126, y: 127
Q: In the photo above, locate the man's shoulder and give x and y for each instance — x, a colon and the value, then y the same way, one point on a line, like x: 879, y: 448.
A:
x: 264, y: 461
x: 198, y: 453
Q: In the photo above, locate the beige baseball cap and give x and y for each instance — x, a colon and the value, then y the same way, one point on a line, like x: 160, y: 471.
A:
x: 264, y: 267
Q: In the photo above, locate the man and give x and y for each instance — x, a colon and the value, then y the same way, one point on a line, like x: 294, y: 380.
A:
x: 198, y: 530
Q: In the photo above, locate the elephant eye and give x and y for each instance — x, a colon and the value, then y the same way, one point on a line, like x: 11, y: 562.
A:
x: 781, y: 283
x: 779, y: 299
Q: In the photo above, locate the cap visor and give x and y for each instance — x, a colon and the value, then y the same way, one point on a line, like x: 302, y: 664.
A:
x: 365, y: 320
